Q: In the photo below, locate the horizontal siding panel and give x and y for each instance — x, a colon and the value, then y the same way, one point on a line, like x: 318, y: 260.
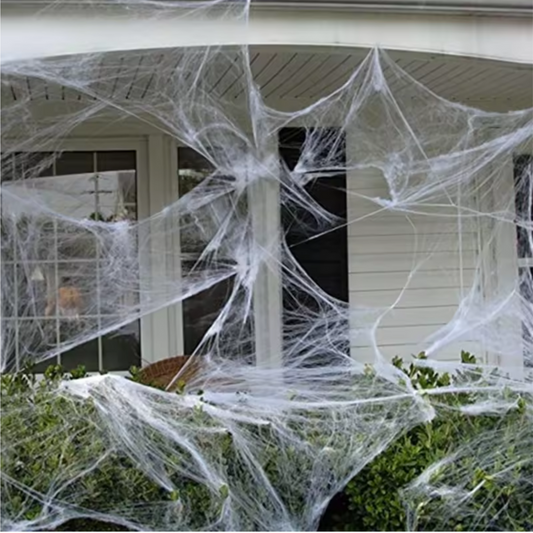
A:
x: 385, y: 246
x: 405, y: 335
x: 414, y: 316
x: 387, y: 262
x: 410, y: 243
x: 367, y: 178
x: 421, y: 213
x: 420, y: 280
x: 450, y: 353
x: 420, y: 298
x: 399, y: 225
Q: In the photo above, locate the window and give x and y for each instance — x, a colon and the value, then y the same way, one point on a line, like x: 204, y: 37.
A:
x: 65, y: 259
x: 226, y: 212
x: 325, y: 256
x: 523, y: 173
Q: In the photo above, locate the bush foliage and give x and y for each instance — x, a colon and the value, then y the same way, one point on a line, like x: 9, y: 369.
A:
x: 381, y: 497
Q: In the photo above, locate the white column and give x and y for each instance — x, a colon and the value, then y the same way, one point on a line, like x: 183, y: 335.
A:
x: 162, y: 335
x: 264, y: 198
x: 502, y: 268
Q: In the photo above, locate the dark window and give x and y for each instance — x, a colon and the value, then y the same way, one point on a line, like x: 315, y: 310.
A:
x: 200, y: 310
x: 314, y: 223
x: 523, y: 172
x: 523, y: 169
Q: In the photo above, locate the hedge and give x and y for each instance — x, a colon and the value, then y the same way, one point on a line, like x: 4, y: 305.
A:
x: 382, y: 497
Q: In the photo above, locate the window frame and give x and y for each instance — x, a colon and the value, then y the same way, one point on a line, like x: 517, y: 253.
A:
x: 504, y: 258
x: 162, y: 332
x: 111, y: 144
x: 265, y: 209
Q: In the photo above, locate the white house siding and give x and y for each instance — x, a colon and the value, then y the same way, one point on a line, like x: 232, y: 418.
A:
x: 384, y: 248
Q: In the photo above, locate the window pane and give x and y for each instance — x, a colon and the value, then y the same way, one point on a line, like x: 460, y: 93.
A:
x: 196, y: 231
x: 35, y: 338
x: 53, y: 267
x: 201, y: 310
x: 74, y: 163
x: 523, y: 170
x: 122, y: 349
x: 9, y: 342
x: 84, y: 354
x: 193, y: 169
x: 116, y: 160
x: 124, y: 162
x: 26, y: 165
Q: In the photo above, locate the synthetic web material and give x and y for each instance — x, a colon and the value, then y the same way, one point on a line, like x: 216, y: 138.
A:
x: 288, y: 413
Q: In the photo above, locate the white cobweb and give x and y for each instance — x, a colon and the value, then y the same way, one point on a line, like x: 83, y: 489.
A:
x: 302, y: 416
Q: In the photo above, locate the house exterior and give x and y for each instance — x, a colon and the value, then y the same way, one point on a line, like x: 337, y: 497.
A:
x: 475, y: 53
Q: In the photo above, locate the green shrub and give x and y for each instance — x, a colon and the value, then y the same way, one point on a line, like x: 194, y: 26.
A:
x: 52, y: 440
x: 56, y: 442
x: 374, y: 501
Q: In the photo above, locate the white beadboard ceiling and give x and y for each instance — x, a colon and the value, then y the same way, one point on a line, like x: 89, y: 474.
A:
x: 295, y: 75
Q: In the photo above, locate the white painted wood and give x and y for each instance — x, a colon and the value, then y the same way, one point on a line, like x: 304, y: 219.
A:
x: 393, y: 280
x: 501, y: 263
x: 286, y: 73
x: 451, y: 354
x: 419, y: 298
x: 140, y: 146
x: 272, y: 86
x: 71, y: 31
x: 158, y: 158
x: 402, y: 336
x: 175, y: 311
x: 264, y: 205
x: 408, y: 244
x: 416, y: 268
x: 412, y: 316
x: 407, y: 262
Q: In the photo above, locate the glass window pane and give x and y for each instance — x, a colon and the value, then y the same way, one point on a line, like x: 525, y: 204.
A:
x: 193, y: 169
x: 36, y: 337
x: 74, y: 163
x: 122, y: 349
x: 57, y: 261
x: 116, y: 160
x: 85, y: 354
x: 7, y: 304
x: 196, y: 231
x: 9, y: 342
x: 125, y: 164
x: 523, y: 170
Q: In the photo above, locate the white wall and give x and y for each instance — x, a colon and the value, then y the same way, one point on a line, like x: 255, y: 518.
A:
x: 418, y: 266
x: 68, y: 30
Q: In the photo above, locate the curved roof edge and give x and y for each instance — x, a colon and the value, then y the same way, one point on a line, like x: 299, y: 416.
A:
x: 456, y: 7
x: 72, y: 31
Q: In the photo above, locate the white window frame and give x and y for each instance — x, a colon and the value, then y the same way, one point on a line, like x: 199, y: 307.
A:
x: 504, y: 260
x: 157, y: 187
x: 264, y: 206
x: 139, y: 145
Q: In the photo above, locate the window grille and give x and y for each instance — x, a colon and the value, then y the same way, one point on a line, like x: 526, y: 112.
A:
x: 102, y: 186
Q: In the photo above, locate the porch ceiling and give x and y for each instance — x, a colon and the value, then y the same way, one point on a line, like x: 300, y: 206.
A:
x: 292, y: 77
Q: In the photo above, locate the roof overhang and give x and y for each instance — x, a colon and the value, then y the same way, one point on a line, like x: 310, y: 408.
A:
x: 67, y: 29
x: 468, y: 7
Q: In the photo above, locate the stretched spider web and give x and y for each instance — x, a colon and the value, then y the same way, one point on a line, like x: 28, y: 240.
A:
x: 283, y: 410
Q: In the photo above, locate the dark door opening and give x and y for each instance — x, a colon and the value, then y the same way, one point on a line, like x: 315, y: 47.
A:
x: 323, y: 251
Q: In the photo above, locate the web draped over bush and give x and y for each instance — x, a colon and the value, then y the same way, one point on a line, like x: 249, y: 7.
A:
x: 263, y: 436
